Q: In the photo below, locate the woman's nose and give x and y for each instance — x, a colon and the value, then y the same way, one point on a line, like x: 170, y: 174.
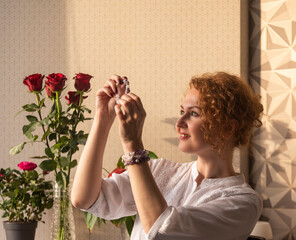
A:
x: 181, y: 123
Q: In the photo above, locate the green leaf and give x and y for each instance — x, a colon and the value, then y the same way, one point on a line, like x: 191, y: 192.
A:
x: 100, y: 221
x: 45, y: 134
x: 152, y: 155
x: 31, y: 137
x: 129, y: 223
x: 33, y: 175
x: 29, y: 128
x: 11, y: 216
x: 30, y: 107
x: 17, y: 149
x: 53, y: 111
x: 46, y: 121
x: 65, y: 149
x: 85, y: 109
x: 48, y: 165
x: 49, y: 153
x: 120, y: 163
x: 49, y: 203
x: 31, y: 118
x: 5, y: 214
x: 42, y: 102
x: 90, y: 220
x: 82, y: 139
x: 52, y: 136
x: 64, y: 162
x: 73, y: 163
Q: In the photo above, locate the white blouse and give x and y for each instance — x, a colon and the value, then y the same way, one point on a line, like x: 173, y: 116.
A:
x: 220, y: 208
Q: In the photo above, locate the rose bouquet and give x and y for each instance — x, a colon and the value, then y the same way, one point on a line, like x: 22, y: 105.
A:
x: 24, y: 194
x: 59, y: 135
x: 128, y: 221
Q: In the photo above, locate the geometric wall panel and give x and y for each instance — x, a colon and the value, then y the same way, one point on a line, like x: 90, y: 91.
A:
x: 272, y: 49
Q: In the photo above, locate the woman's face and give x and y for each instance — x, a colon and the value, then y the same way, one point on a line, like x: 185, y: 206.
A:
x: 188, y: 126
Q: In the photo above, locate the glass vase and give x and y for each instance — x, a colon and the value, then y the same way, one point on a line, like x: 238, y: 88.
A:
x: 63, y: 225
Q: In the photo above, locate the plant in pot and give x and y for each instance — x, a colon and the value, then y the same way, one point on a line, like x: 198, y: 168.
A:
x: 59, y: 137
x: 126, y: 223
x: 25, y: 195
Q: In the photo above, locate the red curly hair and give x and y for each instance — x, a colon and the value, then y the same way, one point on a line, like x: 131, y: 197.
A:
x: 224, y: 97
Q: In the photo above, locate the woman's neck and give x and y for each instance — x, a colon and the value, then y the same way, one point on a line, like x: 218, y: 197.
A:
x: 213, y: 165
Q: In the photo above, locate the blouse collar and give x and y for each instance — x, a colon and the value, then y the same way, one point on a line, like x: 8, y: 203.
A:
x: 237, y: 179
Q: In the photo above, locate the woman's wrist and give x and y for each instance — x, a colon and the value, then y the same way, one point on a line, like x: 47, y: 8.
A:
x: 132, y: 146
x: 104, y: 118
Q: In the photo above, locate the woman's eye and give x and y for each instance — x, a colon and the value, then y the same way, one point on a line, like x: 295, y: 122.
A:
x: 182, y: 112
x: 194, y: 114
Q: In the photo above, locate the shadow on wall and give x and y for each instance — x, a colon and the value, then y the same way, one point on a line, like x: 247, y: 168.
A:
x: 272, y: 166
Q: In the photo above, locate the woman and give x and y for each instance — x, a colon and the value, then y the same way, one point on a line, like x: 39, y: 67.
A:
x: 204, y: 199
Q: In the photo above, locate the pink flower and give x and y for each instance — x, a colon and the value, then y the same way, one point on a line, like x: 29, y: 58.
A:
x: 28, y: 166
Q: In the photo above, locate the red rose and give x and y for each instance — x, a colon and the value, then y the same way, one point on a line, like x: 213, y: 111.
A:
x: 50, y: 94
x: 29, y: 166
x: 56, y: 81
x: 74, y: 98
x: 34, y: 82
x: 46, y: 172
x: 82, y: 82
x: 117, y: 171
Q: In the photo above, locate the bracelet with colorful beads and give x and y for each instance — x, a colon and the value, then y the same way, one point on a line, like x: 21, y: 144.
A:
x: 135, y: 157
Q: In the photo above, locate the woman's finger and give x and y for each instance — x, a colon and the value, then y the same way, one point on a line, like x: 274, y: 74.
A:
x: 136, y: 100
x: 119, y: 112
x: 127, y: 106
x: 108, y: 91
x: 112, y: 84
x: 117, y: 79
x: 128, y: 98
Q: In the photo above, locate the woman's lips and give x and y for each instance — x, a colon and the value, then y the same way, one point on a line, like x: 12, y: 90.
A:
x: 184, y: 136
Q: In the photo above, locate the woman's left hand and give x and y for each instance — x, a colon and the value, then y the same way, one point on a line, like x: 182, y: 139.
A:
x: 131, y: 116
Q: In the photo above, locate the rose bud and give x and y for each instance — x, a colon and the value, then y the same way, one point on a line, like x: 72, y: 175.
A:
x: 74, y: 98
x: 82, y: 82
x: 34, y: 82
x: 28, y: 166
x: 117, y: 171
x: 56, y: 81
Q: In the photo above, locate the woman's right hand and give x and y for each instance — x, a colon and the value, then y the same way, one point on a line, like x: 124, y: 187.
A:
x: 105, y: 98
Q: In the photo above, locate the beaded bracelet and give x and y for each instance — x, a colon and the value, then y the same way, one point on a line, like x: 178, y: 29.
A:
x: 127, y: 89
x: 135, y: 157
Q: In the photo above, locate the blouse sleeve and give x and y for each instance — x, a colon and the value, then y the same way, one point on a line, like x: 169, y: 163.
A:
x: 224, y: 218
x: 115, y: 199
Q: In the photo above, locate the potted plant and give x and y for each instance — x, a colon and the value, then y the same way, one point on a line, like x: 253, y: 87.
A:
x: 60, y: 137
x: 126, y: 223
x: 25, y: 195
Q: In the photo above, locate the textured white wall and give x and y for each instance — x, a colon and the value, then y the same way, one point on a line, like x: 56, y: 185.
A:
x: 158, y: 44
x: 273, y: 74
